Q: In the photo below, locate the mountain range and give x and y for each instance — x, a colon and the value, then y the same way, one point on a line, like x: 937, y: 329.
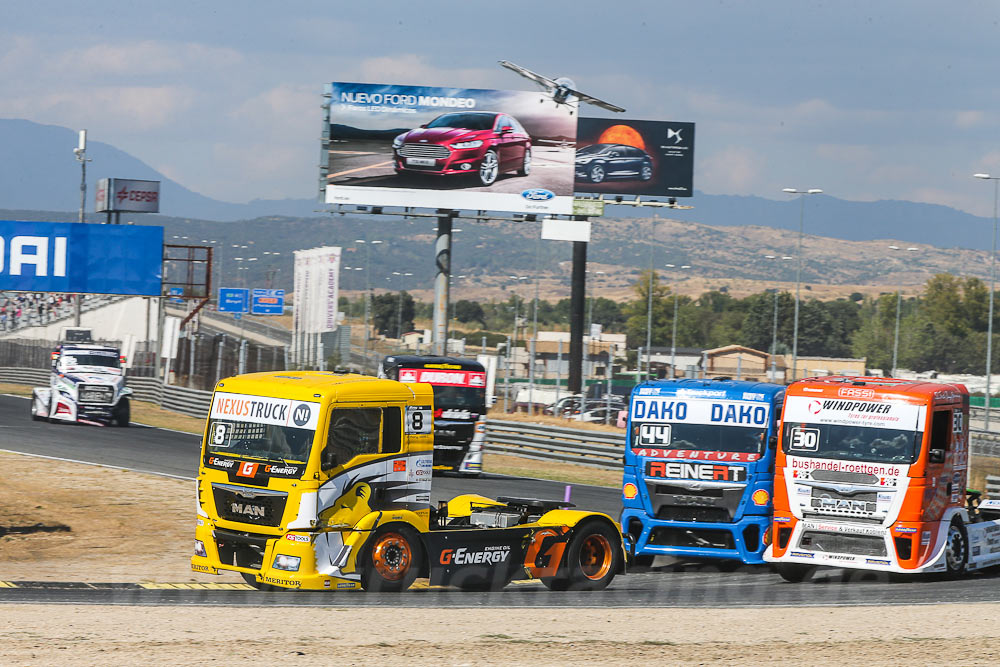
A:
x: 725, y: 237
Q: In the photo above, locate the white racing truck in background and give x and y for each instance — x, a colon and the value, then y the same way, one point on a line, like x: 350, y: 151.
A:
x: 87, y: 385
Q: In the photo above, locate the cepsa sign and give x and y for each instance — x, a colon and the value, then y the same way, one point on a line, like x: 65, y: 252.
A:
x: 120, y: 194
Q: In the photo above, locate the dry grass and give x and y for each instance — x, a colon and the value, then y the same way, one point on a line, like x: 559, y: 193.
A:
x: 553, y: 470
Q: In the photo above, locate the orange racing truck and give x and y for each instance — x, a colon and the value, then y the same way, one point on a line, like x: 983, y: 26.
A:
x: 321, y: 480
x: 871, y: 474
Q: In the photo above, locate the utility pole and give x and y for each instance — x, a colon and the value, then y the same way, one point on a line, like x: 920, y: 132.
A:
x: 81, y: 156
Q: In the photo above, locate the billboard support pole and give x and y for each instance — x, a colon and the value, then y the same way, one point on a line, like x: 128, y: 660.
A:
x: 578, y: 286
x: 442, y: 260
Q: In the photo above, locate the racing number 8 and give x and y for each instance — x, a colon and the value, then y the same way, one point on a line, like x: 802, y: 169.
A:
x: 219, y: 436
x: 417, y: 420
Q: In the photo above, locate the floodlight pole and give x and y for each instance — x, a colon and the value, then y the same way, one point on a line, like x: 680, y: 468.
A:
x: 578, y: 287
x: 442, y: 260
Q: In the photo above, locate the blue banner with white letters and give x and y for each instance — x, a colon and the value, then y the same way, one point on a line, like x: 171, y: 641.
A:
x: 85, y: 258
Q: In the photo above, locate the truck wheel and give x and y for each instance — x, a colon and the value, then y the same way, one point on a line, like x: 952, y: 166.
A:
x: 393, y: 560
x: 796, y: 573
x: 956, y: 550
x: 593, y: 556
x: 124, y: 413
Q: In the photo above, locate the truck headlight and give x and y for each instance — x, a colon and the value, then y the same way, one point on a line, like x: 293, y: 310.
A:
x: 199, y: 549
x: 288, y: 563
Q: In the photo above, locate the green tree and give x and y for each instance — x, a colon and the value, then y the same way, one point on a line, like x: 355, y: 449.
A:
x: 469, y: 311
x: 392, y: 312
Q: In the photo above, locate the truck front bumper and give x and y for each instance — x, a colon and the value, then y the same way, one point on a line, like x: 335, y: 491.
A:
x: 742, y: 540
x: 260, y: 556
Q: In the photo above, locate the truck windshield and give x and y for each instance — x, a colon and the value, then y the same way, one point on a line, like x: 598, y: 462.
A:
x: 262, y: 441
x: 88, y: 358
x: 699, y: 437
x: 472, y: 399
x: 853, y: 443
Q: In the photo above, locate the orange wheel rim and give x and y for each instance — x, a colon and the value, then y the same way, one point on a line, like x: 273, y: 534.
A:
x: 392, y: 556
x: 596, y: 557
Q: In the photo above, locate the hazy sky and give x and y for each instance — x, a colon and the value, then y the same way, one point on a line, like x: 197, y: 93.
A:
x: 895, y: 99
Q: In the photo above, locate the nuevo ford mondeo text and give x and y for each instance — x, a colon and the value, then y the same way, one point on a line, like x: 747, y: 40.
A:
x: 484, y: 143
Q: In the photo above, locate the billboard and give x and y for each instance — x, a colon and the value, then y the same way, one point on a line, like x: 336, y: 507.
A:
x: 85, y: 258
x: 634, y: 157
x: 316, y: 290
x: 122, y: 194
x: 455, y: 148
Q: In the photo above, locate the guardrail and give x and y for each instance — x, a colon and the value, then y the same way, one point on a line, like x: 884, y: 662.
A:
x: 993, y: 486
x: 539, y: 441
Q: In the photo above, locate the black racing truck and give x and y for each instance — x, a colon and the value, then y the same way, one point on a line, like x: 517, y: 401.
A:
x: 459, y: 405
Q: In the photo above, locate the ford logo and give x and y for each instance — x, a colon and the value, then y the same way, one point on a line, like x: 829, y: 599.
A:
x: 538, y: 194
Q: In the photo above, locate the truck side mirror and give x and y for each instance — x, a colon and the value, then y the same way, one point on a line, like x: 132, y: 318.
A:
x: 935, y: 456
x: 772, y: 442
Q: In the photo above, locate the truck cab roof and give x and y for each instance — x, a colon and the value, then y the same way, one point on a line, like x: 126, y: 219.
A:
x: 861, y: 387
x: 326, y: 386
x: 715, y: 388
x: 431, y: 361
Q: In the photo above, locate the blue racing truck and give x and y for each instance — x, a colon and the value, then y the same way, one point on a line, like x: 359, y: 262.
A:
x: 699, y: 469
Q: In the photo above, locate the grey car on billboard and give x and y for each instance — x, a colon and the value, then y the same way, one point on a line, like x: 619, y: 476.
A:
x: 634, y: 157
x: 449, y: 148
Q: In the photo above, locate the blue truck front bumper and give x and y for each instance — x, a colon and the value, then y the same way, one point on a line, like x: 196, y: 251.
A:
x: 741, y: 540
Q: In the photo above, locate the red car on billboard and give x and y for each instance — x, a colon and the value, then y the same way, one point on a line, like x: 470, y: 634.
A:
x: 484, y: 143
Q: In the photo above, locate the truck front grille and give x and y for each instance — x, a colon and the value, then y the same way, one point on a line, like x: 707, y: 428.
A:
x: 256, y: 506
x: 96, y: 393
x: 704, y: 538
x: 707, y: 514
x: 842, y: 543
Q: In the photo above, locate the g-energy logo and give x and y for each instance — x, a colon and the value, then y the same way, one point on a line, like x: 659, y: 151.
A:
x: 487, y: 556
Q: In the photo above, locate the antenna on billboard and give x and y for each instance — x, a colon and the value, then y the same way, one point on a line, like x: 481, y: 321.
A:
x: 562, y: 89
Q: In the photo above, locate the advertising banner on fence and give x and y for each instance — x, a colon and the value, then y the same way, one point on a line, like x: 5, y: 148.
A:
x: 453, y: 148
x: 634, y: 157
x: 123, y: 194
x: 74, y: 257
x: 317, y: 289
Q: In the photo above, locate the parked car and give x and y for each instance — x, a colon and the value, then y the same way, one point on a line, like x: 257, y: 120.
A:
x: 484, y: 143
x: 600, y: 162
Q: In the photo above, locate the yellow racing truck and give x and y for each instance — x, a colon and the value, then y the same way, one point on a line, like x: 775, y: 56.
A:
x: 319, y: 480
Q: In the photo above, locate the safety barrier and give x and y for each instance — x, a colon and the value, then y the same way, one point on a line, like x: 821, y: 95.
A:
x: 539, y: 441
x: 993, y: 486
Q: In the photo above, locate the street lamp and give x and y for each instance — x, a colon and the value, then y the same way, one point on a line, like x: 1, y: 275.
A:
x: 774, y: 322
x: 798, y: 273
x: 368, y: 257
x: 899, y: 303
x: 989, y: 324
x: 673, y: 333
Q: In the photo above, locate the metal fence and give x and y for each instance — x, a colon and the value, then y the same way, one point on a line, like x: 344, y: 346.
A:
x: 538, y: 441
x: 993, y: 486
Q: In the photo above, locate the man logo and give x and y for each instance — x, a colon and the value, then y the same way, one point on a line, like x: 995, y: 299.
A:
x: 301, y: 414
